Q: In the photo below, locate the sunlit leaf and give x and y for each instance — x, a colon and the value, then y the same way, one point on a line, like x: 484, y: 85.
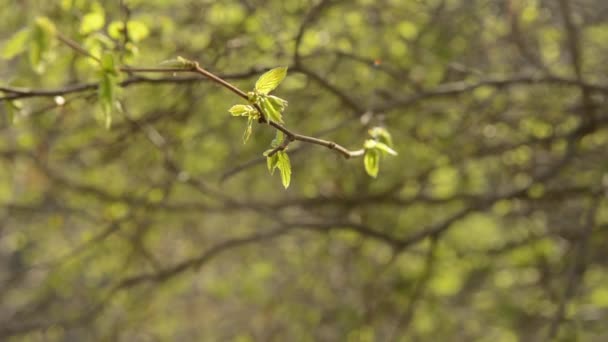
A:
x: 284, y: 165
x: 270, y: 80
x: 248, y: 130
x: 271, y: 162
x: 270, y: 110
x: 16, y: 44
x: 277, y: 102
x: 240, y: 110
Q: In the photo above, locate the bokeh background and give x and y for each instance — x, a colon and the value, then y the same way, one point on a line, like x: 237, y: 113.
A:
x: 490, y: 224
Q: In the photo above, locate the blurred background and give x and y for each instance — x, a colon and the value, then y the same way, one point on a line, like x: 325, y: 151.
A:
x: 490, y: 224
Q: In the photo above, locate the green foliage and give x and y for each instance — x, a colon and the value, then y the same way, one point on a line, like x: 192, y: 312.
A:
x: 270, y: 80
x: 108, y: 85
x: 92, y: 22
x: 16, y: 44
x: 491, y: 217
x: 41, y: 36
x: 375, y: 148
x: 280, y: 160
x: 371, y: 161
x: 271, y: 106
x: 12, y: 108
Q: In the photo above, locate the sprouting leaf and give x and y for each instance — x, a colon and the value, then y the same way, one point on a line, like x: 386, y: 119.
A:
x: 271, y: 162
x: 284, y: 166
x: 278, y: 139
x: 384, y: 148
x: 277, y: 102
x: 270, y: 110
x: 371, y: 160
x: 248, y: 130
x: 382, y: 135
x: 270, y: 80
x: 179, y: 62
x: 92, y: 22
x: 241, y: 110
x: 107, y: 91
x: 16, y: 44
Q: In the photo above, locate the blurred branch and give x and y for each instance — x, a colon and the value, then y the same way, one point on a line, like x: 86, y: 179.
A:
x: 577, y: 269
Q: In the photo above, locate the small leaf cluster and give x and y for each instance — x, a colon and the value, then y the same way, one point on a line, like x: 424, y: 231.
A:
x: 272, y: 109
x: 279, y: 160
x: 379, y: 145
x: 271, y: 105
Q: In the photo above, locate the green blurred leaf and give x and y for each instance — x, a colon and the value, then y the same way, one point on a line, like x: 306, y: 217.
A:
x: 107, y: 91
x: 92, y: 22
x: 270, y: 80
x: 284, y: 166
x: 16, y: 44
x: 371, y: 160
x: 41, y: 34
x: 12, y: 108
x: 137, y: 30
x: 108, y: 65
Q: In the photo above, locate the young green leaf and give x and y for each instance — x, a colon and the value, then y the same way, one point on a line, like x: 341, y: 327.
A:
x: 284, y: 166
x: 371, y: 161
x: 270, y: 110
x: 277, y: 103
x: 382, y: 135
x: 271, y: 162
x: 248, y: 130
x: 16, y: 44
x: 384, y: 148
x: 270, y: 80
x: 278, y: 139
x: 241, y: 110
